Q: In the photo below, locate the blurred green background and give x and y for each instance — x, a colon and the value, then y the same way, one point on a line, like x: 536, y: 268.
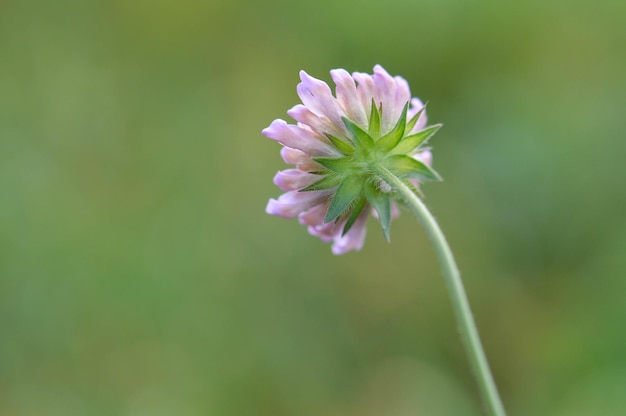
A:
x: 139, y: 274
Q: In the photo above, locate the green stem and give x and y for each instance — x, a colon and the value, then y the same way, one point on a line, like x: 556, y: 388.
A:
x: 467, y: 327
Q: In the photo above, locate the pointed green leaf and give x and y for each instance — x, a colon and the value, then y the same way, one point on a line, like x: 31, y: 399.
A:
x: 356, y: 210
x: 374, y: 124
x: 345, y: 194
x: 362, y: 141
x: 344, y: 147
x: 326, y: 182
x: 407, y: 167
x: 412, y: 142
x: 391, y: 139
x: 340, y: 164
x: 413, y: 121
x: 382, y: 204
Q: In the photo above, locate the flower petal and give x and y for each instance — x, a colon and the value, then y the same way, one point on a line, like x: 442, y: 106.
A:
x: 348, y: 98
x: 290, y: 204
x: 299, y: 158
x: 299, y: 138
x: 417, y: 105
x: 385, y: 93
x: 326, y: 232
x: 294, y: 179
x: 317, y: 96
x: 365, y: 89
x: 403, y: 94
x: 320, y: 125
x: 314, y: 218
x: 354, y: 239
x: 425, y: 156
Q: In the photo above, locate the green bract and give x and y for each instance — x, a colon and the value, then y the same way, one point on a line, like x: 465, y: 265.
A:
x: 356, y: 175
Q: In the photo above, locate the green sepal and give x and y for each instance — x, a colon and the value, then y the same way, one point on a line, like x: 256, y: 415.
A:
x: 391, y: 139
x: 346, y: 193
x: 413, y: 121
x: 328, y: 181
x: 382, y: 204
x: 405, y: 166
x: 362, y: 141
x: 344, y: 147
x: 412, y: 142
x: 374, y: 124
x: 335, y: 164
x: 356, y: 210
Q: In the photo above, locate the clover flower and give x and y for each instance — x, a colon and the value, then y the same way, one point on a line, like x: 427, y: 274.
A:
x: 340, y: 144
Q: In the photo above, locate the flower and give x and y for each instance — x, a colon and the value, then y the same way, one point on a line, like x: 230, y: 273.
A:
x: 340, y: 144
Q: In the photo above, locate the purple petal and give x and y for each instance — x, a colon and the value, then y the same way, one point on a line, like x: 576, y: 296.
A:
x: 294, y: 179
x: 385, y: 93
x: 354, y: 239
x: 425, y: 156
x: 417, y: 105
x: 299, y: 158
x: 303, y: 115
x: 293, y: 156
x: 326, y: 232
x: 314, y: 219
x: 403, y: 93
x: 365, y: 90
x: 348, y: 98
x: 313, y: 216
x: 299, y: 138
x: 290, y: 204
x: 317, y: 97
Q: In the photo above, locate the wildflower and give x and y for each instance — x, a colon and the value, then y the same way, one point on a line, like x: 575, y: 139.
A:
x: 340, y: 144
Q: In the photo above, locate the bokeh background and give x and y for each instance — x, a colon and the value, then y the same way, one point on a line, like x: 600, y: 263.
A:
x: 139, y: 274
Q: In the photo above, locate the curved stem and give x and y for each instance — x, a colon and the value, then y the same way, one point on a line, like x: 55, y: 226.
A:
x: 467, y: 327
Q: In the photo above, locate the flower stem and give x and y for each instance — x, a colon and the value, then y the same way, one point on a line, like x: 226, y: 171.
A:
x: 467, y: 327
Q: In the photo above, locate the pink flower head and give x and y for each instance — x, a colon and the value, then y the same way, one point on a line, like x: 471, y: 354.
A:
x: 338, y: 146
